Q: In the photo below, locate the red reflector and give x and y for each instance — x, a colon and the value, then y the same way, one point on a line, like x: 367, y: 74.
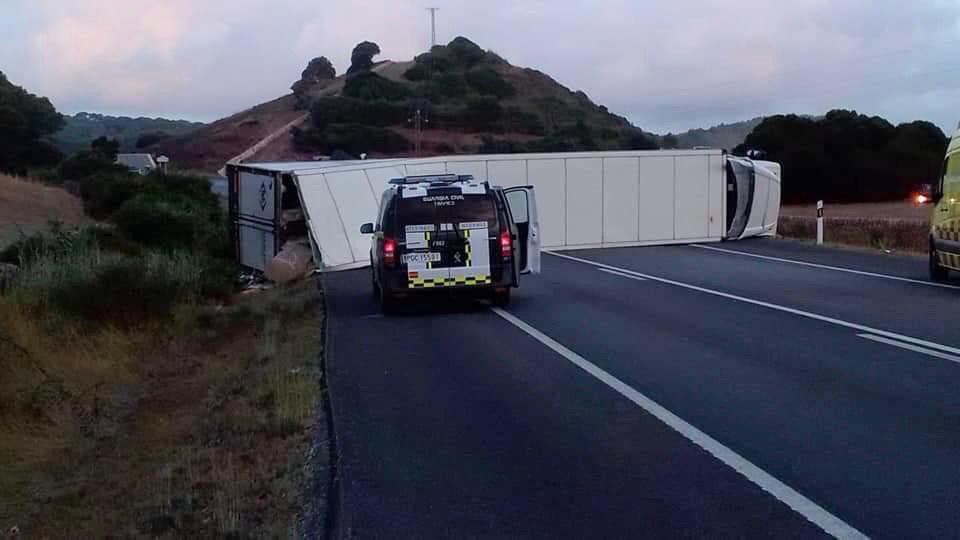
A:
x: 506, y: 245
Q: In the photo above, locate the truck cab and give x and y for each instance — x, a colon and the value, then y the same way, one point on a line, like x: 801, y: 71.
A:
x: 945, y: 221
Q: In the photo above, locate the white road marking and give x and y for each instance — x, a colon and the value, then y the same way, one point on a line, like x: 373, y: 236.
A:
x: 777, y: 307
x: 816, y: 514
x: 828, y: 267
x: 621, y: 274
x: 909, y: 347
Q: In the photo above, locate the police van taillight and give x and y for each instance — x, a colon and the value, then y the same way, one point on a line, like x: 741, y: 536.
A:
x: 506, y: 244
x: 389, y: 251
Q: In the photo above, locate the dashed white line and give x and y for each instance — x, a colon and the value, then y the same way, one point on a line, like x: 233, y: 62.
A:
x: 909, y: 347
x: 800, y: 504
x: 828, y: 267
x: 769, y: 305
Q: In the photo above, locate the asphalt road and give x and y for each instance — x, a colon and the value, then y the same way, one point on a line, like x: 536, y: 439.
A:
x: 663, y: 392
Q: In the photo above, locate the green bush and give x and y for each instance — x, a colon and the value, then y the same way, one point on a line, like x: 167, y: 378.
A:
x: 501, y: 146
x: 448, y: 85
x: 88, y: 163
x: 121, y: 291
x: 465, y: 52
x: 172, y: 221
x: 354, y: 139
x: 487, y: 81
x: 436, y: 61
x: 417, y: 72
x: 344, y: 110
x: 104, y: 193
x: 481, y: 114
x: 519, y: 120
x: 370, y: 86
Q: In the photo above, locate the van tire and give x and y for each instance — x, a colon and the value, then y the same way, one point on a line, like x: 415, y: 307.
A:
x: 500, y: 298
x: 937, y: 272
x: 388, y: 302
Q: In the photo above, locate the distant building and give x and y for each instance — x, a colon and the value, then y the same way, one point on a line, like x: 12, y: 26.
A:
x: 137, y: 163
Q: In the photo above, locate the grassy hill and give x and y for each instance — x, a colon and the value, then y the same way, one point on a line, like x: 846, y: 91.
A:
x: 470, y: 101
x: 82, y: 128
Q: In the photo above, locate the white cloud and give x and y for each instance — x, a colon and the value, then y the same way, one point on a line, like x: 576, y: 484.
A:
x: 668, y: 65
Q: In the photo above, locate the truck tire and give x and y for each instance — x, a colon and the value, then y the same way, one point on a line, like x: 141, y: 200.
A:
x: 937, y: 272
x: 501, y: 298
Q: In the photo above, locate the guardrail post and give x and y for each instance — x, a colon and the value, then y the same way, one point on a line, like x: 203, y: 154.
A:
x: 819, y: 222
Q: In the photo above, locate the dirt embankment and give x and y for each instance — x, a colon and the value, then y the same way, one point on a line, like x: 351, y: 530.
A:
x: 30, y: 206
x: 199, y: 429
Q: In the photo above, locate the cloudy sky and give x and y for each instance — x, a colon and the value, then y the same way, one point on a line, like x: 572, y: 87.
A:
x: 665, y: 65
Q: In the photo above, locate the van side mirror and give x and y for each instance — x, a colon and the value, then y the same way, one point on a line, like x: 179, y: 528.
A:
x: 366, y: 228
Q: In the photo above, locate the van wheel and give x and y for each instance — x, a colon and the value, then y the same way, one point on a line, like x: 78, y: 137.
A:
x: 937, y: 272
x: 501, y: 298
x: 388, y: 302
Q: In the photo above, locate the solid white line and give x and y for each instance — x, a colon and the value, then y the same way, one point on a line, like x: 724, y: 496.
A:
x: 909, y: 347
x: 621, y: 274
x: 831, y: 320
x: 828, y: 267
x: 805, y: 507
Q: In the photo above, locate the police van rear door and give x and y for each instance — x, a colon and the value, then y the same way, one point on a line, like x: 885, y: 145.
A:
x: 447, y: 235
x: 523, y: 207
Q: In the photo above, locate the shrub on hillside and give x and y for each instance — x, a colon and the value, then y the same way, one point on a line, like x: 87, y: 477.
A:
x: 354, y: 139
x: 344, y: 110
x: 370, y: 86
x: 171, y: 221
x: 417, y: 72
x: 88, y: 163
x: 491, y: 145
x: 121, y: 290
x: 448, y: 85
x: 487, y: 81
x: 521, y: 121
x: 482, y: 113
x: 105, y: 192
x: 435, y: 61
x: 465, y: 52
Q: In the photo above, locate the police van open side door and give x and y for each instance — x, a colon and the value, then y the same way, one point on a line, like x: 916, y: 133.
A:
x: 523, y: 206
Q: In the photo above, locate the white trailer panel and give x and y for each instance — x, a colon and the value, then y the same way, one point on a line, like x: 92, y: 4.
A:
x: 584, y: 223
x: 655, y: 213
x: 585, y: 199
x: 549, y: 180
x: 692, y: 200
x: 621, y: 199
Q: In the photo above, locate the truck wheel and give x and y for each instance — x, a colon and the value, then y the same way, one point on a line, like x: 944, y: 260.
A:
x: 501, y: 298
x: 937, y: 272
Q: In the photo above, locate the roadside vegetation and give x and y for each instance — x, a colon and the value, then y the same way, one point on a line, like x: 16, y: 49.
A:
x: 141, y: 395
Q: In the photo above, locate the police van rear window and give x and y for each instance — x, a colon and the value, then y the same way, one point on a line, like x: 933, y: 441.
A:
x: 448, y: 208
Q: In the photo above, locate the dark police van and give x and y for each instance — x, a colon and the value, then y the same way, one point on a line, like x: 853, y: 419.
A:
x: 453, y: 233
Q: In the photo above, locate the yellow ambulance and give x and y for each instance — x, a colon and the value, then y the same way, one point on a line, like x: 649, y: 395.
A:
x: 945, y: 222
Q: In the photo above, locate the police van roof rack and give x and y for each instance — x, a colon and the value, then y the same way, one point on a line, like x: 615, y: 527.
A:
x: 433, y: 179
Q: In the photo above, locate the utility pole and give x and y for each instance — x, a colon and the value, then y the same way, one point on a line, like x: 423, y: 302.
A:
x: 433, y: 26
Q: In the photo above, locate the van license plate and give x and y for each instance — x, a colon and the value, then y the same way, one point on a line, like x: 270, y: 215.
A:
x: 421, y: 257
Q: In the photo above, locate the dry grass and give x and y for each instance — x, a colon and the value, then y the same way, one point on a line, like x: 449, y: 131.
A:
x: 195, y: 428
x: 29, y: 206
x: 891, y: 234
x: 885, y: 210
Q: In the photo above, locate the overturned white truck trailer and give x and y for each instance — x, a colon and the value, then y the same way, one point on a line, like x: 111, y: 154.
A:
x: 584, y: 199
